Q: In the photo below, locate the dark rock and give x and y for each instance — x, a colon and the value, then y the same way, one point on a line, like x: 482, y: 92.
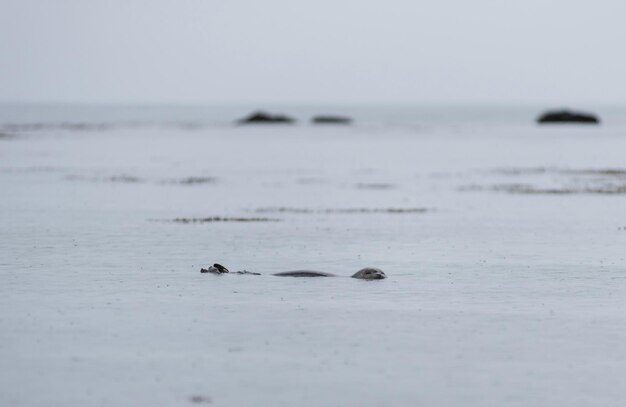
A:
x: 215, y: 269
x: 266, y: 118
x: 219, y: 269
x: 331, y: 120
x: 566, y: 116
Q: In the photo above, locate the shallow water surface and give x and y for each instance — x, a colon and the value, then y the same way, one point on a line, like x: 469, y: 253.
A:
x: 495, y: 296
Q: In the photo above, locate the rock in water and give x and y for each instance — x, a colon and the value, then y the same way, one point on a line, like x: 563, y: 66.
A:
x: 215, y: 269
x: 331, y: 120
x: 566, y: 116
x: 266, y: 118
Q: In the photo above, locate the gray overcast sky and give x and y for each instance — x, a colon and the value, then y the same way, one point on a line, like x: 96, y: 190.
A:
x: 335, y: 51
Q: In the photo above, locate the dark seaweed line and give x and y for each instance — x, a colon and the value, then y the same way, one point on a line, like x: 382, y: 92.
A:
x: 342, y: 211
x: 131, y: 179
x: 375, y: 186
x: 550, y: 191
x: 522, y: 189
x: 615, y: 172
x: 212, y: 219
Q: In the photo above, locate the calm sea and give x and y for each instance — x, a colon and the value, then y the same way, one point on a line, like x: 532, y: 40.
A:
x: 504, y: 243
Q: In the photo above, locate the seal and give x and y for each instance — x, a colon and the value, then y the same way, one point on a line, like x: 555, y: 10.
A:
x: 368, y: 273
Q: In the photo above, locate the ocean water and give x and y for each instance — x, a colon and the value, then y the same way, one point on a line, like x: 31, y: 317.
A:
x: 504, y: 243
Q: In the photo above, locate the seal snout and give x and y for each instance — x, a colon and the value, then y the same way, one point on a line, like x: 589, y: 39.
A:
x: 370, y: 273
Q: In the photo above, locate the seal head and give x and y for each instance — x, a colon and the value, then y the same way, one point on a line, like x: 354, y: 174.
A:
x: 369, y: 273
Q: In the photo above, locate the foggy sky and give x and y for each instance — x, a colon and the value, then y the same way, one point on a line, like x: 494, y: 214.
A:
x: 322, y: 51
